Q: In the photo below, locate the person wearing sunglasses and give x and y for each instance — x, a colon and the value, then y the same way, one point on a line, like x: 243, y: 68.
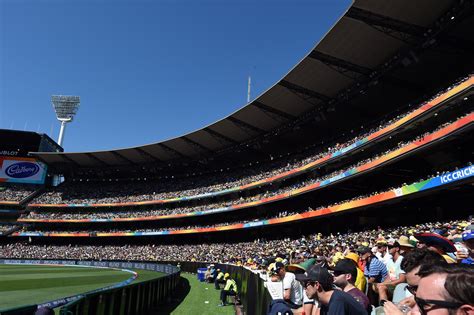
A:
x: 445, y: 290
x: 318, y: 285
x: 411, y: 264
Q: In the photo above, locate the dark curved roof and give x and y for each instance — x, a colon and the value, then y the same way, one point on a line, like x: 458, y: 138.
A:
x: 358, y: 47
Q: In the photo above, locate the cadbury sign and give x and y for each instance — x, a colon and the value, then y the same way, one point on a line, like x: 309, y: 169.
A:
x: 22, y: 171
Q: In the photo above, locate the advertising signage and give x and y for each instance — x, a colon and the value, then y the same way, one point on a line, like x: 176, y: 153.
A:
x: 22, y: 170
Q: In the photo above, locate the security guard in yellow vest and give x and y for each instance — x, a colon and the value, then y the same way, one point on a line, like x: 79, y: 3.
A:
x: 219, y: 279
x: 230, y: 289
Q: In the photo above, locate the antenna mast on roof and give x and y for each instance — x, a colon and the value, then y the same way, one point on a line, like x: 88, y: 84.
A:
x: 248, y: 90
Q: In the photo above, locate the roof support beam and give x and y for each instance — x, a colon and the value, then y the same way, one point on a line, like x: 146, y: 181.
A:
x: 69, y: 160
x: 306, y: 93
x: 342, y: 66
x: 245, y: 126
x: 220, y: 136
x: 195, y: 144
x: 120, y: 156
x: 387, y: 25
x: 95, y: 158
x: 408, y: 32
x: 272, y: 111
x: 149, y: 155
x: 169, y: 149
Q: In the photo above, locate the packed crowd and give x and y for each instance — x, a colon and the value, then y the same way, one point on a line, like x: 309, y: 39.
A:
x: 74, y: 213
x: 145, y: 190
x: 7, y: 228
x: 342, y: 273
x: 256, y: 254
x: 16, y: 192
x: 256, y: 218
x: 169, y: 228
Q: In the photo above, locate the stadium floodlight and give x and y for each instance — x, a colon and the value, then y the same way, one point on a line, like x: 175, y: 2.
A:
x: 65, y: 107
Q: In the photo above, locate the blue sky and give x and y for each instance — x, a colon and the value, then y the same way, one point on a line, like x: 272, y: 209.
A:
x: 147, y: 70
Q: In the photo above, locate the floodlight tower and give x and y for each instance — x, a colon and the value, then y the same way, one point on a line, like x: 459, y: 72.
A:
x: 65, y: 107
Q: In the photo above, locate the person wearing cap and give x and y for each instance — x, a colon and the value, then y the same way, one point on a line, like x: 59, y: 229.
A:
x: 361, y: 281
x: 345, y: 273
x: 292, y: 290
x: 468, y: 239
x: 309, y: 305
x: 230, y: 289
x: 318, y: 284
x: 396, y: 274
x: 219, y: 279
x: 374, y: 270
x: 382, y: 251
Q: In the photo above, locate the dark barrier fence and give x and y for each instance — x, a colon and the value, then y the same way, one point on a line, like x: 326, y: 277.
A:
x: 130, y: 299
x: 255, y: 297
x: 23, y: 310
x: 137, y: 298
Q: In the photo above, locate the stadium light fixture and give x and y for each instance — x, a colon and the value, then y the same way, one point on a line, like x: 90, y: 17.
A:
x: 65, y: 107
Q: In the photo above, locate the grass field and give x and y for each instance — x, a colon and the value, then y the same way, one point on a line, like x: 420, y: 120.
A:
x: 33, y: 284
x: 194, y: 297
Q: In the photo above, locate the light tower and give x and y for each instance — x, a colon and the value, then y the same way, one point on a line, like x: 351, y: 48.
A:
x: 65, y: 107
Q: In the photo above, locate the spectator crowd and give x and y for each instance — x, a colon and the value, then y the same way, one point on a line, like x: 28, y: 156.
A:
x: 253, y: 218
x: 359, y: 270
x: 186, y: 186
x: 74, y: 213
x: 16, y: 192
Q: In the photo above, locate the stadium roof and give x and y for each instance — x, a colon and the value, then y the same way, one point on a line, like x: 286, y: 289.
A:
x: 358, y: 53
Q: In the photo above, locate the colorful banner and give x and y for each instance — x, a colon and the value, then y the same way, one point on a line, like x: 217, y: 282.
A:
x: 22, y: 170
x: 376, y: 135
x: 438, y: 181
x: 428, y: 139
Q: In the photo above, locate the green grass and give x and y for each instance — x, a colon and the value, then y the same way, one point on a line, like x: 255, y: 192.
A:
x: 31, y: 284
x: 195, y: 300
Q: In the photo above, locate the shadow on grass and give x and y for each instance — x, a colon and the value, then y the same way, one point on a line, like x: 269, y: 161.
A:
x: 178, y: 296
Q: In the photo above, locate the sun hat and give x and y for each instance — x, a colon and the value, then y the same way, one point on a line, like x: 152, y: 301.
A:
x: 302, y: 266
x: 404, y: 241
x: 433, y: 239
x: 353, y: 256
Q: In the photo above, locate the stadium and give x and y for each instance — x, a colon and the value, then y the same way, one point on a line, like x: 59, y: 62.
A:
x: 366, y: 142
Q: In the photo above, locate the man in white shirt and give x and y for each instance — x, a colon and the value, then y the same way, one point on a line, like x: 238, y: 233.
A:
x: 395, y: 273
x: 383, y: 253
x: 292, y: 289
